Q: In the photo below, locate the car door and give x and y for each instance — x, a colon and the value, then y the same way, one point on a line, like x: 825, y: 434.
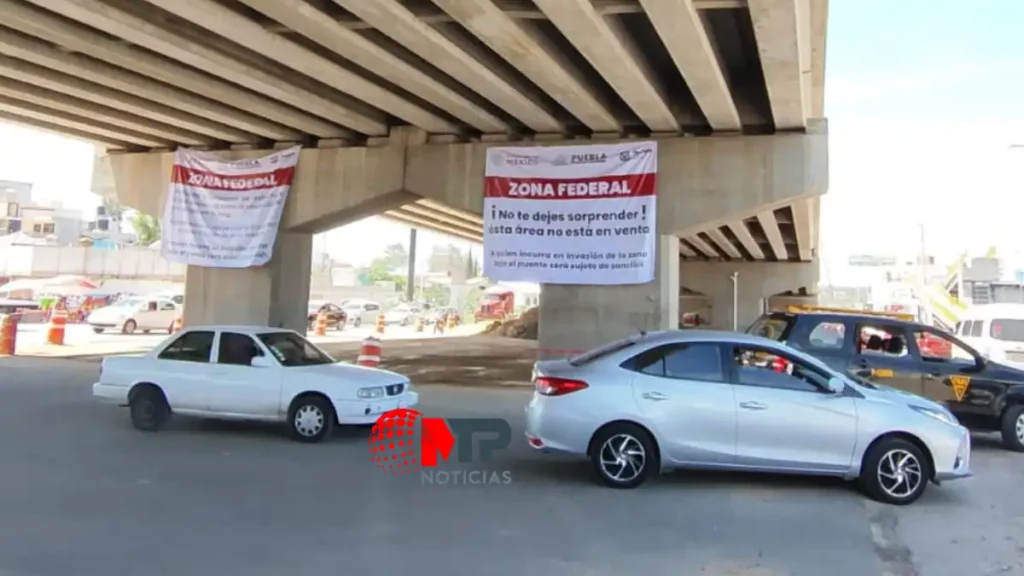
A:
x: 185, y: 370
x: 890, y: 365
x: 165, y: 317
x: 240, y: 388
x: 951, y: 363
x: 147, y: 315
x: 786, y: 418
x: 682, y: 390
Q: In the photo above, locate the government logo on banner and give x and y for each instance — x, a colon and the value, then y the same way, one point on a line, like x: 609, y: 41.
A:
x: 571, y: 214
x: 225, y: 214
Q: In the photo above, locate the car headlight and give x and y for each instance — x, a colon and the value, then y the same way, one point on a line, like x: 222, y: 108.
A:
x: 939, y: 414
x: 369, y: 393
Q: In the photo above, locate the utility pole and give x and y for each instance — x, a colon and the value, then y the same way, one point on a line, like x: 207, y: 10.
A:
x: 922, y: 298
x: 410, y: 284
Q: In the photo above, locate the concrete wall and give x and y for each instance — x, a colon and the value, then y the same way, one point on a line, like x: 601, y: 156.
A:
x: 756, y: 281
x: 576, y: 317
x: 48, y: 261
x: 701, y: 180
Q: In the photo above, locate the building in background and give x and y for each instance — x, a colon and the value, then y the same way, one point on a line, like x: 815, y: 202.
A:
x: 50, y: 222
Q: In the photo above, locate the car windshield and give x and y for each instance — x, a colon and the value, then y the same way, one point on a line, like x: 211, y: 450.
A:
x: 1008, y: 330
x: 129, y: 303
x: 292, y: 350
x: 773, y: 327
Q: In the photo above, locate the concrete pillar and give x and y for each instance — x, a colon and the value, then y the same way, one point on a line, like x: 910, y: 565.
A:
x: 579, y: 317
x: 756, y: 282
x: 273, y: 295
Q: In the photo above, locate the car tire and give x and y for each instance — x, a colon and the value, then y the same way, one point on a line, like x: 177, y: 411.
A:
x: 881, y: 478
x: 98, y: 330
x: 357, y: 322
x: 404, y: 322
x: 311, y: 418
x: 148, y: 407
x: 129, y: 327
x: 641, y: 458
x: 1012, y: 428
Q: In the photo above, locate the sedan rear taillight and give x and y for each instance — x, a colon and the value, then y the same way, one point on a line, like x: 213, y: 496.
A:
x: 550, y: 386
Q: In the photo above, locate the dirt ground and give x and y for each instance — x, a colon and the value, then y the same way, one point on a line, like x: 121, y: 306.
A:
x: 464, y: 361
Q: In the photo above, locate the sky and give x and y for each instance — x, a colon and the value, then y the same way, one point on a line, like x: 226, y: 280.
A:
x: 923, y: 99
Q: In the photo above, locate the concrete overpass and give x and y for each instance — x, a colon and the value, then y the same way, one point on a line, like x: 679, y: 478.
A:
x: 396, y: 101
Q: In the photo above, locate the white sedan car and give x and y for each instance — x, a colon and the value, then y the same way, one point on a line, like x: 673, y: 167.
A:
x: 721, y: 400
x: 250, y: 373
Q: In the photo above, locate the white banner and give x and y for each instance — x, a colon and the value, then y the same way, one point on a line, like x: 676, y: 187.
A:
x: 571, y: 214
x: 225, y: 213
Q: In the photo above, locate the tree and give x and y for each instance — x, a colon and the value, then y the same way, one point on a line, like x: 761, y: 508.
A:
x: 147, y: 229
x: 114, y: 209
x: 395, y: 256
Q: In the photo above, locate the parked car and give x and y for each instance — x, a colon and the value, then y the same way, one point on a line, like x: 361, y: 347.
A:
x: 250, y: 373
x: 361, y: 312
x: 983, y: 394
x: 403, y: 314
x: 131, y: 314
x: 703, y: 399
x: 996, y: 331
x: 336, y: 317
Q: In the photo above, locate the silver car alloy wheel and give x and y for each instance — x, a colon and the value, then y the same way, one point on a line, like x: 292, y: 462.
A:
x: 309, y: 420
x: 899, y: 473
x: 623, y: 458
x: 1020, y: 427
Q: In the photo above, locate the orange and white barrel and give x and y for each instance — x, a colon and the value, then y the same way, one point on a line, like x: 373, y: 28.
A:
x: 57, y: 327
x: 321, y: 324
x: 8, y: 334
x: 370, y: 353
x: 179, y: 321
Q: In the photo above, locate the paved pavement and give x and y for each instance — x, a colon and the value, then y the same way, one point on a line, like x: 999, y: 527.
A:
x: 83, y: 493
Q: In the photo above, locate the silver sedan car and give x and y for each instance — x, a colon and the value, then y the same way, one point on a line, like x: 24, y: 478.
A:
x: 722, y: 400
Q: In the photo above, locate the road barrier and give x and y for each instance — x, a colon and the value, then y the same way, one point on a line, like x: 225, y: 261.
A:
x: 8, y: 334
x: 421, y: 324
x: 179, y: 321
x: 56, y: 328
x: 380, y: 323
x: 370, y: 352
x: 321, y: 324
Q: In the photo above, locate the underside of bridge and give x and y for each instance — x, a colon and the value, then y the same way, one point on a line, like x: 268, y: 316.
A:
x: 146, y: 75
x: 395, y: 103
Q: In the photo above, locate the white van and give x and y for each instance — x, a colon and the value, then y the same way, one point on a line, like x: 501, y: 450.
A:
x: 996, y: 331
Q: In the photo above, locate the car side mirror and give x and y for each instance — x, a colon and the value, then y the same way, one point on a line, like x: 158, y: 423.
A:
x: 260, y: 362
x: 836, y: 385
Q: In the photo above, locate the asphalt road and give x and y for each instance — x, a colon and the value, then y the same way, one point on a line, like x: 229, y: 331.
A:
x: 83, y: 493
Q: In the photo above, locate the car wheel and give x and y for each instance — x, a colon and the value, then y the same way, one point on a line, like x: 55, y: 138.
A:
x: 623, y: 455
x: 404, y: 322
x: 357, y: 322
x: 1013, y: 428
x: 98, y: 330
x: 895, y: 471
x: 311, y: 418
x: 339, y: 325
x: 129, y: 327
x: 148, y: 407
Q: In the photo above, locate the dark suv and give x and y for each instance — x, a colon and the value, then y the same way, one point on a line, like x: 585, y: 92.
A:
x: 885, y: 350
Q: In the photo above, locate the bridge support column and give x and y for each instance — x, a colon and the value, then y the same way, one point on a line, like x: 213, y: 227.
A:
x: 579, y: 317
x: 755, y: 282
x: 273, y: 295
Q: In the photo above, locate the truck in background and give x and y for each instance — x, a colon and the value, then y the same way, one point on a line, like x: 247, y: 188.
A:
x: 498, y: 303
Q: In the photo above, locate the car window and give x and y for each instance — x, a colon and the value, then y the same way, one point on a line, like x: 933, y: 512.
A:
x: 882, y: 340
x: 766, y: 369
x: 237, y: 349
x: 167, y: 306
x: 772, y: 326
x: 959, y: 329
x: 290, y: 349
x: 965, y: 330
x: 1010, y: 330
x: 683, y: 361
x: 371, y: 307
x: 827, y: 335
x: 976, y: 328
x: 936, y: 347
x: 151, y: 306
x: 190, y: 347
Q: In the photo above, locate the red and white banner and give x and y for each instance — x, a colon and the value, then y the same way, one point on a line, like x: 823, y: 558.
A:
x: 225, y: 213
x: 571, y: 214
